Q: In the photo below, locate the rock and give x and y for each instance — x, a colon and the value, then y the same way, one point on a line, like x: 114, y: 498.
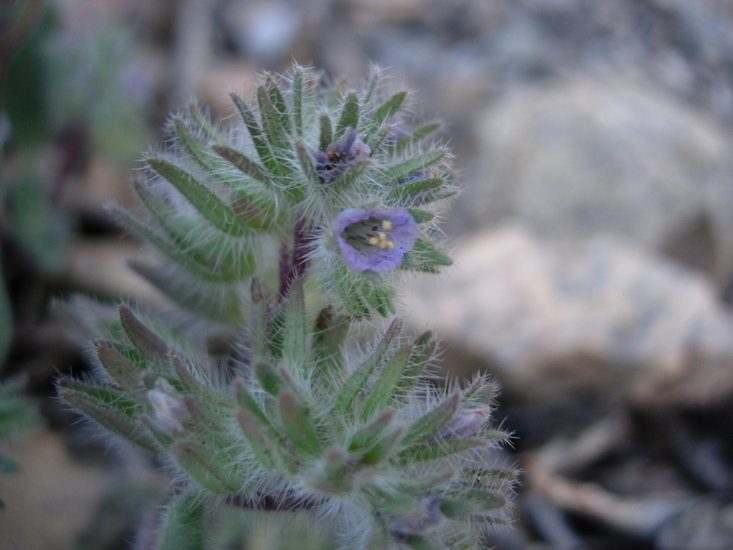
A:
x: 600, y: 315
x: 262, y: 30
x: 223, y: 77
x: 51, y: 500
x: 101, y: 266
x: 604, y: 156
x: 706, y: 525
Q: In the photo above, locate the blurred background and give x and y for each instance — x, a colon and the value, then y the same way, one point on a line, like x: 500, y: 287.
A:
x: 593, y: 242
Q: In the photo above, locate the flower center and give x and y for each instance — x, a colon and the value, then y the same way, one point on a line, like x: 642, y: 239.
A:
x: 369, y: 232
x: 334, y: 158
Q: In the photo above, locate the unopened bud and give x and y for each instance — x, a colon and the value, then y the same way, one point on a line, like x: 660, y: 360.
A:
x: 467, y: 422
x: 169, y: 411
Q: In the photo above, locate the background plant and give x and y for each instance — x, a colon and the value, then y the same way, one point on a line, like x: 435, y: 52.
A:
x: 282, y: 236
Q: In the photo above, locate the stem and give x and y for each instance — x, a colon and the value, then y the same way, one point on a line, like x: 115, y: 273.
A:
x: 261, y: 501
x: 293, y: 266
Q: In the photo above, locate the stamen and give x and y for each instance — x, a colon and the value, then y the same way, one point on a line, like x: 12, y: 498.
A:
x: 387, y: 225
x: 373, y: 240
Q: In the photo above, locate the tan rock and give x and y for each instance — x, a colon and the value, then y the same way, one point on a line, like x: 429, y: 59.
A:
x: 604, y: 155
x: 599, y: 314
x: 51, y: 500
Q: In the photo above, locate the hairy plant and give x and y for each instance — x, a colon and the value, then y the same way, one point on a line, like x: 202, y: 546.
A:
x: 289, y: 229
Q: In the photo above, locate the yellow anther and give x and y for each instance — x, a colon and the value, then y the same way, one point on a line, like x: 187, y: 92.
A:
x: 373, y: 240
x: 387, y: 225
x: 390, y: 245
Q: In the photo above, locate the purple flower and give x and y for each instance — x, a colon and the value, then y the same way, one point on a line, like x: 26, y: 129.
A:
x: 374, y: 239
x: 340, y: 154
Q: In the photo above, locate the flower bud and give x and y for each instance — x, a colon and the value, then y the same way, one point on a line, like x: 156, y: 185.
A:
x: 467, y: 422
x: 169, y: 411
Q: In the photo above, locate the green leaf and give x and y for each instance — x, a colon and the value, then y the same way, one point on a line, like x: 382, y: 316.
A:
x: 379, y: 298
x: 466, y: 502
x: 420, y: 216
x: 431, y: 196
x: 258, y: 326
x: 219, y: 303
x: 201, y: 466
x: 404, y: 192
x: 262, y: 446
x: 354, y: 304
x: 356, y: 382
x: 440, y: 449
x: 383, y: 392
x: 150, y: 344
x: 277, y: 329
x: 336, y: 93
x: 247, y: 209
x: 298, y: 427
x: 306, y: 164
x: 294, y: 329
x: 349, y: 115
x: 424, y: 257
x: 215, y: 259
x: 350, y: 174
x: 298, y: 102
x: 326, y: 136
x: 194, y: 146
x: 195, y: 383
x: 412, y: 164
x: 423, y: 351
x: 417, y: 135
x: 377, y: 139
x: 118, y: 367
x: 389, y: 108
x: 184, y: 525
x: 428, y: 425
x: 200, y: 120
x: 269, y: 378
x: 375, y: 77
x: 273, y: 121
x: 327, y: 346
x: 383, y: 447
x: 421, y: 542
x: 109, y: 408
x: 185, y: 261
x: 255, y: 131
x: 106, y: 396
x: 245, y: 164
x: 278, y: 102
x: 336, y: 472
x: 367, y: 436
x: 481, y: 391
x: 248, y: 403
x: 207, y: 203
x: 162, y: 438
